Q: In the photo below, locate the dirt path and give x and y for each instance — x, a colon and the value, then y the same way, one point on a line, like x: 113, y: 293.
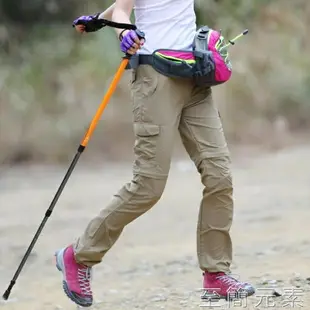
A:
x: 153, y: 265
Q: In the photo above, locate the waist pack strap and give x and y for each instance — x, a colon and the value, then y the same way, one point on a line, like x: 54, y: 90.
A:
x: 137, y: 60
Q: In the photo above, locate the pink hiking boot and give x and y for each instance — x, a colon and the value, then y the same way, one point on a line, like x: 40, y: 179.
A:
x: 220, y: 285
x: 76, y: 277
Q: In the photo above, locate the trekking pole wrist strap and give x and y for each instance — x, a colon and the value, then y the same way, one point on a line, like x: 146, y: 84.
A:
x: 120, y: 37
x: 124, y: 26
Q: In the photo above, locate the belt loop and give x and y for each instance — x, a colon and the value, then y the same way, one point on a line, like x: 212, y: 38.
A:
x: 133, y: 62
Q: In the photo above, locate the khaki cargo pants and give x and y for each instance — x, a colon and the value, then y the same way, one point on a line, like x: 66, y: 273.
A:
x: 162, y: 107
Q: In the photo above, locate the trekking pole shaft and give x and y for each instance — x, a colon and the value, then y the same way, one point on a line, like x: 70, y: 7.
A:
x: 232, y: 41
x: 81, y: 148
x: 105, y: 101
x: 47, y: 215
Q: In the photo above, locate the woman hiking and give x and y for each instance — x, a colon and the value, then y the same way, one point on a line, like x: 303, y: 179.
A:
x: 161, y: 107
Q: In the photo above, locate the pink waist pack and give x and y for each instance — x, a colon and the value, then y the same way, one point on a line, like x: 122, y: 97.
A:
x: 207, y: 64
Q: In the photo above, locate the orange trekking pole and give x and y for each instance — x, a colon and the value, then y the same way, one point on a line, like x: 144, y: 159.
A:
x: 103, y: 104
x: 80, y: 150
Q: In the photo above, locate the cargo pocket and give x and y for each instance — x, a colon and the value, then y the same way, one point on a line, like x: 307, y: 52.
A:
x: 145, y: 149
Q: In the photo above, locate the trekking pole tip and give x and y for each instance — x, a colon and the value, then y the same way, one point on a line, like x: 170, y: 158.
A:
x: 246, y: 31
x: 7, y: 293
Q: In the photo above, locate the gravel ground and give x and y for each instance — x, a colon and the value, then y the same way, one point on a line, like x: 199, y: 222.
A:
x: 154, y: 265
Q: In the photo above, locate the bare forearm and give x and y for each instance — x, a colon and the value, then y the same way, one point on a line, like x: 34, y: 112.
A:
x: 120, y: 16
x: 107, y: 14
x: 122, y: 12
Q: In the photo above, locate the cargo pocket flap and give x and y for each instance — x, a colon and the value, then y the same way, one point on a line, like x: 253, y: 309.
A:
x: 146, y: 130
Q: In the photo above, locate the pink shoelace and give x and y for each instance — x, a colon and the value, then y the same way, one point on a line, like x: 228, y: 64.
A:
x: 84, y: 278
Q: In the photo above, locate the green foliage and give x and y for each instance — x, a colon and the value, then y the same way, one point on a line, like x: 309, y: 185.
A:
x: 52, y: 79
x: 33, y: 12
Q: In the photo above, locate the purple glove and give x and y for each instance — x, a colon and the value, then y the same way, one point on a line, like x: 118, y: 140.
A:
x: 90, y: 22
x: 128, y: 40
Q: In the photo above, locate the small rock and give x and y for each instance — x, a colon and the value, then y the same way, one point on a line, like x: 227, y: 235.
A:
x: 158, y: 298
x: 297, y: 276
x: 276, y: 293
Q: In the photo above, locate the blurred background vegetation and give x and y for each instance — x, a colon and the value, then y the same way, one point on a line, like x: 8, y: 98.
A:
x: 53, y: 79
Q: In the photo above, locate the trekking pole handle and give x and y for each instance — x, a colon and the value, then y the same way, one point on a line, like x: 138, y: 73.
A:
x: 140, y: 34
